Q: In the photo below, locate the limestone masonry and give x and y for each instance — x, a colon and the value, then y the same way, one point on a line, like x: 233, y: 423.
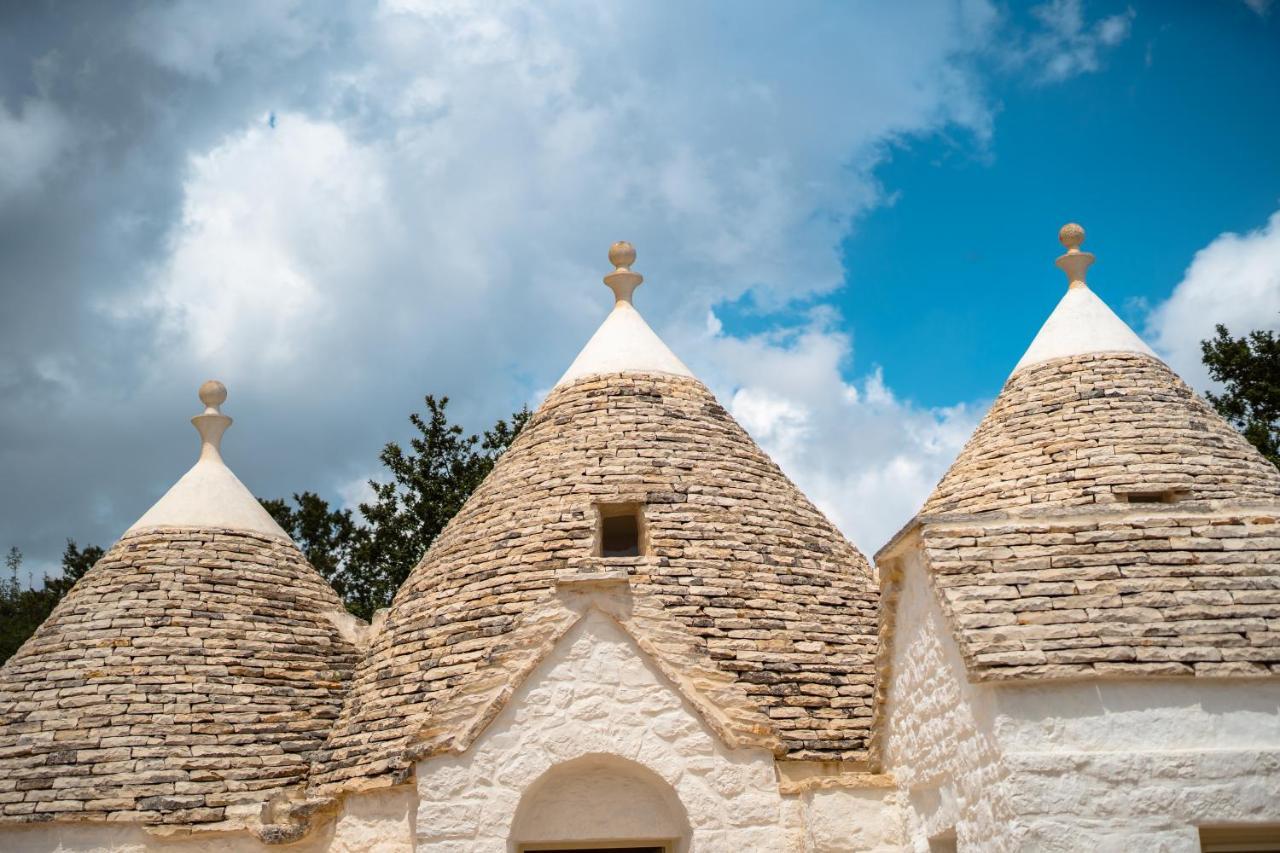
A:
x: 639, y: 635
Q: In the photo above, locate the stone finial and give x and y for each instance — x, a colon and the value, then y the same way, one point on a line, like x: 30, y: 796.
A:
x: 213, y: 394
x: 211, y: 423
x: 622, y: 281
x: 1074, y: 263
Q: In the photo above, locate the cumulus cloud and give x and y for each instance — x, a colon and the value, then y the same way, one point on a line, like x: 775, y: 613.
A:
x: 866, y: 458
x: 337, y: 208
x: 1235, y: 281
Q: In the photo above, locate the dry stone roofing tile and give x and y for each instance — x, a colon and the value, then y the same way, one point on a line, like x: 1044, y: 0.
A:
x: 1090, y: 429
x: 1163, y: 592
x: 1047, y: 570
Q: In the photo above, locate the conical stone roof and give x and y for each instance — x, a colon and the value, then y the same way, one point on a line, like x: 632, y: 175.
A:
x: 1092, y: 416
x: 184, y: 681
x: 746, y: 595
x: 1103, y: 520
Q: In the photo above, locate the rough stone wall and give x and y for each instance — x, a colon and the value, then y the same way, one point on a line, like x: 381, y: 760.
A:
x: 1067, y: 766
x: 768, y: 588
x: 597, y: 696
x: 1138, y: 765
x: 939, y: 731
x: 1164, y: 592
x: 1090, y: 428
x: 184, y: 681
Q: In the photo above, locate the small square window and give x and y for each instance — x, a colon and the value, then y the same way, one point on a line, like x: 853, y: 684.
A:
x: 621, y: 532
x: 943, y: 843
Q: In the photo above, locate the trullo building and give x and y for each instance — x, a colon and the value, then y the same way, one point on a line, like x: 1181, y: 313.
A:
x: 638, y: 635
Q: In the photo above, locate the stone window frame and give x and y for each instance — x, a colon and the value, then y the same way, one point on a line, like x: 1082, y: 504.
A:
x: 614, y: 509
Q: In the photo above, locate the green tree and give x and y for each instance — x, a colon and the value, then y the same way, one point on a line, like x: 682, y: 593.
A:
x: 23, y: 609
x: 368, y: 560
x: 75, y: 562
x: 1249, y: 369
x: 326, y: 536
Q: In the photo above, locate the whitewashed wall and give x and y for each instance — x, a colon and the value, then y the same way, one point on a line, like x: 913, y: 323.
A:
x: 939, y: 742
x: 377, y: 822
x: 1097, y: 766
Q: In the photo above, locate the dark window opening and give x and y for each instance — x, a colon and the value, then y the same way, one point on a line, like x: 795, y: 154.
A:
x: 619, y: 536
x: 1236, y: 839
x: 603, y: 850
x: 621, y: 532
x: 1167, y: 496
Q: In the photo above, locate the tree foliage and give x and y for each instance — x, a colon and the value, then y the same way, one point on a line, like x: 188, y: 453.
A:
x: 1249, y: 369
x: 23, y: 608
x: 367, y: 560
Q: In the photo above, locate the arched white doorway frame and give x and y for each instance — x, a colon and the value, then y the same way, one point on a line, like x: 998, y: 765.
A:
x: 600, y: 801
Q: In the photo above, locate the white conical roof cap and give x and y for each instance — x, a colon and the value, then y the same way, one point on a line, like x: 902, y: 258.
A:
x: 1082, y: 323
x: 624, y: 343
x: 210, y: 495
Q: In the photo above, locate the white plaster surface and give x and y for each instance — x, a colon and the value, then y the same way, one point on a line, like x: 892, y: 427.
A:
x: 839, y: 820
x: 209, y: 495
x: 596, y: 696
x: 376, y: 822
x: 1097, y: 766
x: 624, y: 343
x: 1082, y: 323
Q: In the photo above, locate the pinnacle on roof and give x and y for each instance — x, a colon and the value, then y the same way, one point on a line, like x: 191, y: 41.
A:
x: 209, y: 495
x: 1082, y: 323
x: 624, y: 343
x: 1091, y: 416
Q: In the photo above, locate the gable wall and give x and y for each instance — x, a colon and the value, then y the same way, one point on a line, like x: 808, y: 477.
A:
x: 595, y: 695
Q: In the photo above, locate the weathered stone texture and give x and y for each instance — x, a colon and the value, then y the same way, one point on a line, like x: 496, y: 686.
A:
x: 762, y: 583
x: 185, y: 680
x: 1092, y: 428
x: 1164, y: 592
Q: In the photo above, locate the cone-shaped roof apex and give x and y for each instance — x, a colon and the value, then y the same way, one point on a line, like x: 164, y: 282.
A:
x: 624, y: 343
x: 1082, y: 323
x: 1091, y: 416
x: 210, y: 495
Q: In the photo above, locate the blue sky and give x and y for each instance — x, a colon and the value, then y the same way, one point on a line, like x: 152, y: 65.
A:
x: 845, y: 213
x: 1174, y: 140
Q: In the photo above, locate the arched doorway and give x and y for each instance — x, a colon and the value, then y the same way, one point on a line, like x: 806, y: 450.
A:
x: 600, y: 803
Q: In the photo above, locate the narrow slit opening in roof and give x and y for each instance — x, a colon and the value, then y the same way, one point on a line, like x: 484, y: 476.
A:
x: 621, y: 530
x: 1165, y: 496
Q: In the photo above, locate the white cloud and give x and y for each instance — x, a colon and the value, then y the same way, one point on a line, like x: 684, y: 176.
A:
x: 431, y: 211
x: 1068, y: 45
x: 867, y: 458
x: 1235, y: 281
x: 279, y: 225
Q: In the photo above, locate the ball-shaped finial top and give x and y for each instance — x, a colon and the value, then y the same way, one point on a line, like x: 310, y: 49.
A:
x: 213, y: 393
x: 1071, y: 235
x: 622, y: 254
